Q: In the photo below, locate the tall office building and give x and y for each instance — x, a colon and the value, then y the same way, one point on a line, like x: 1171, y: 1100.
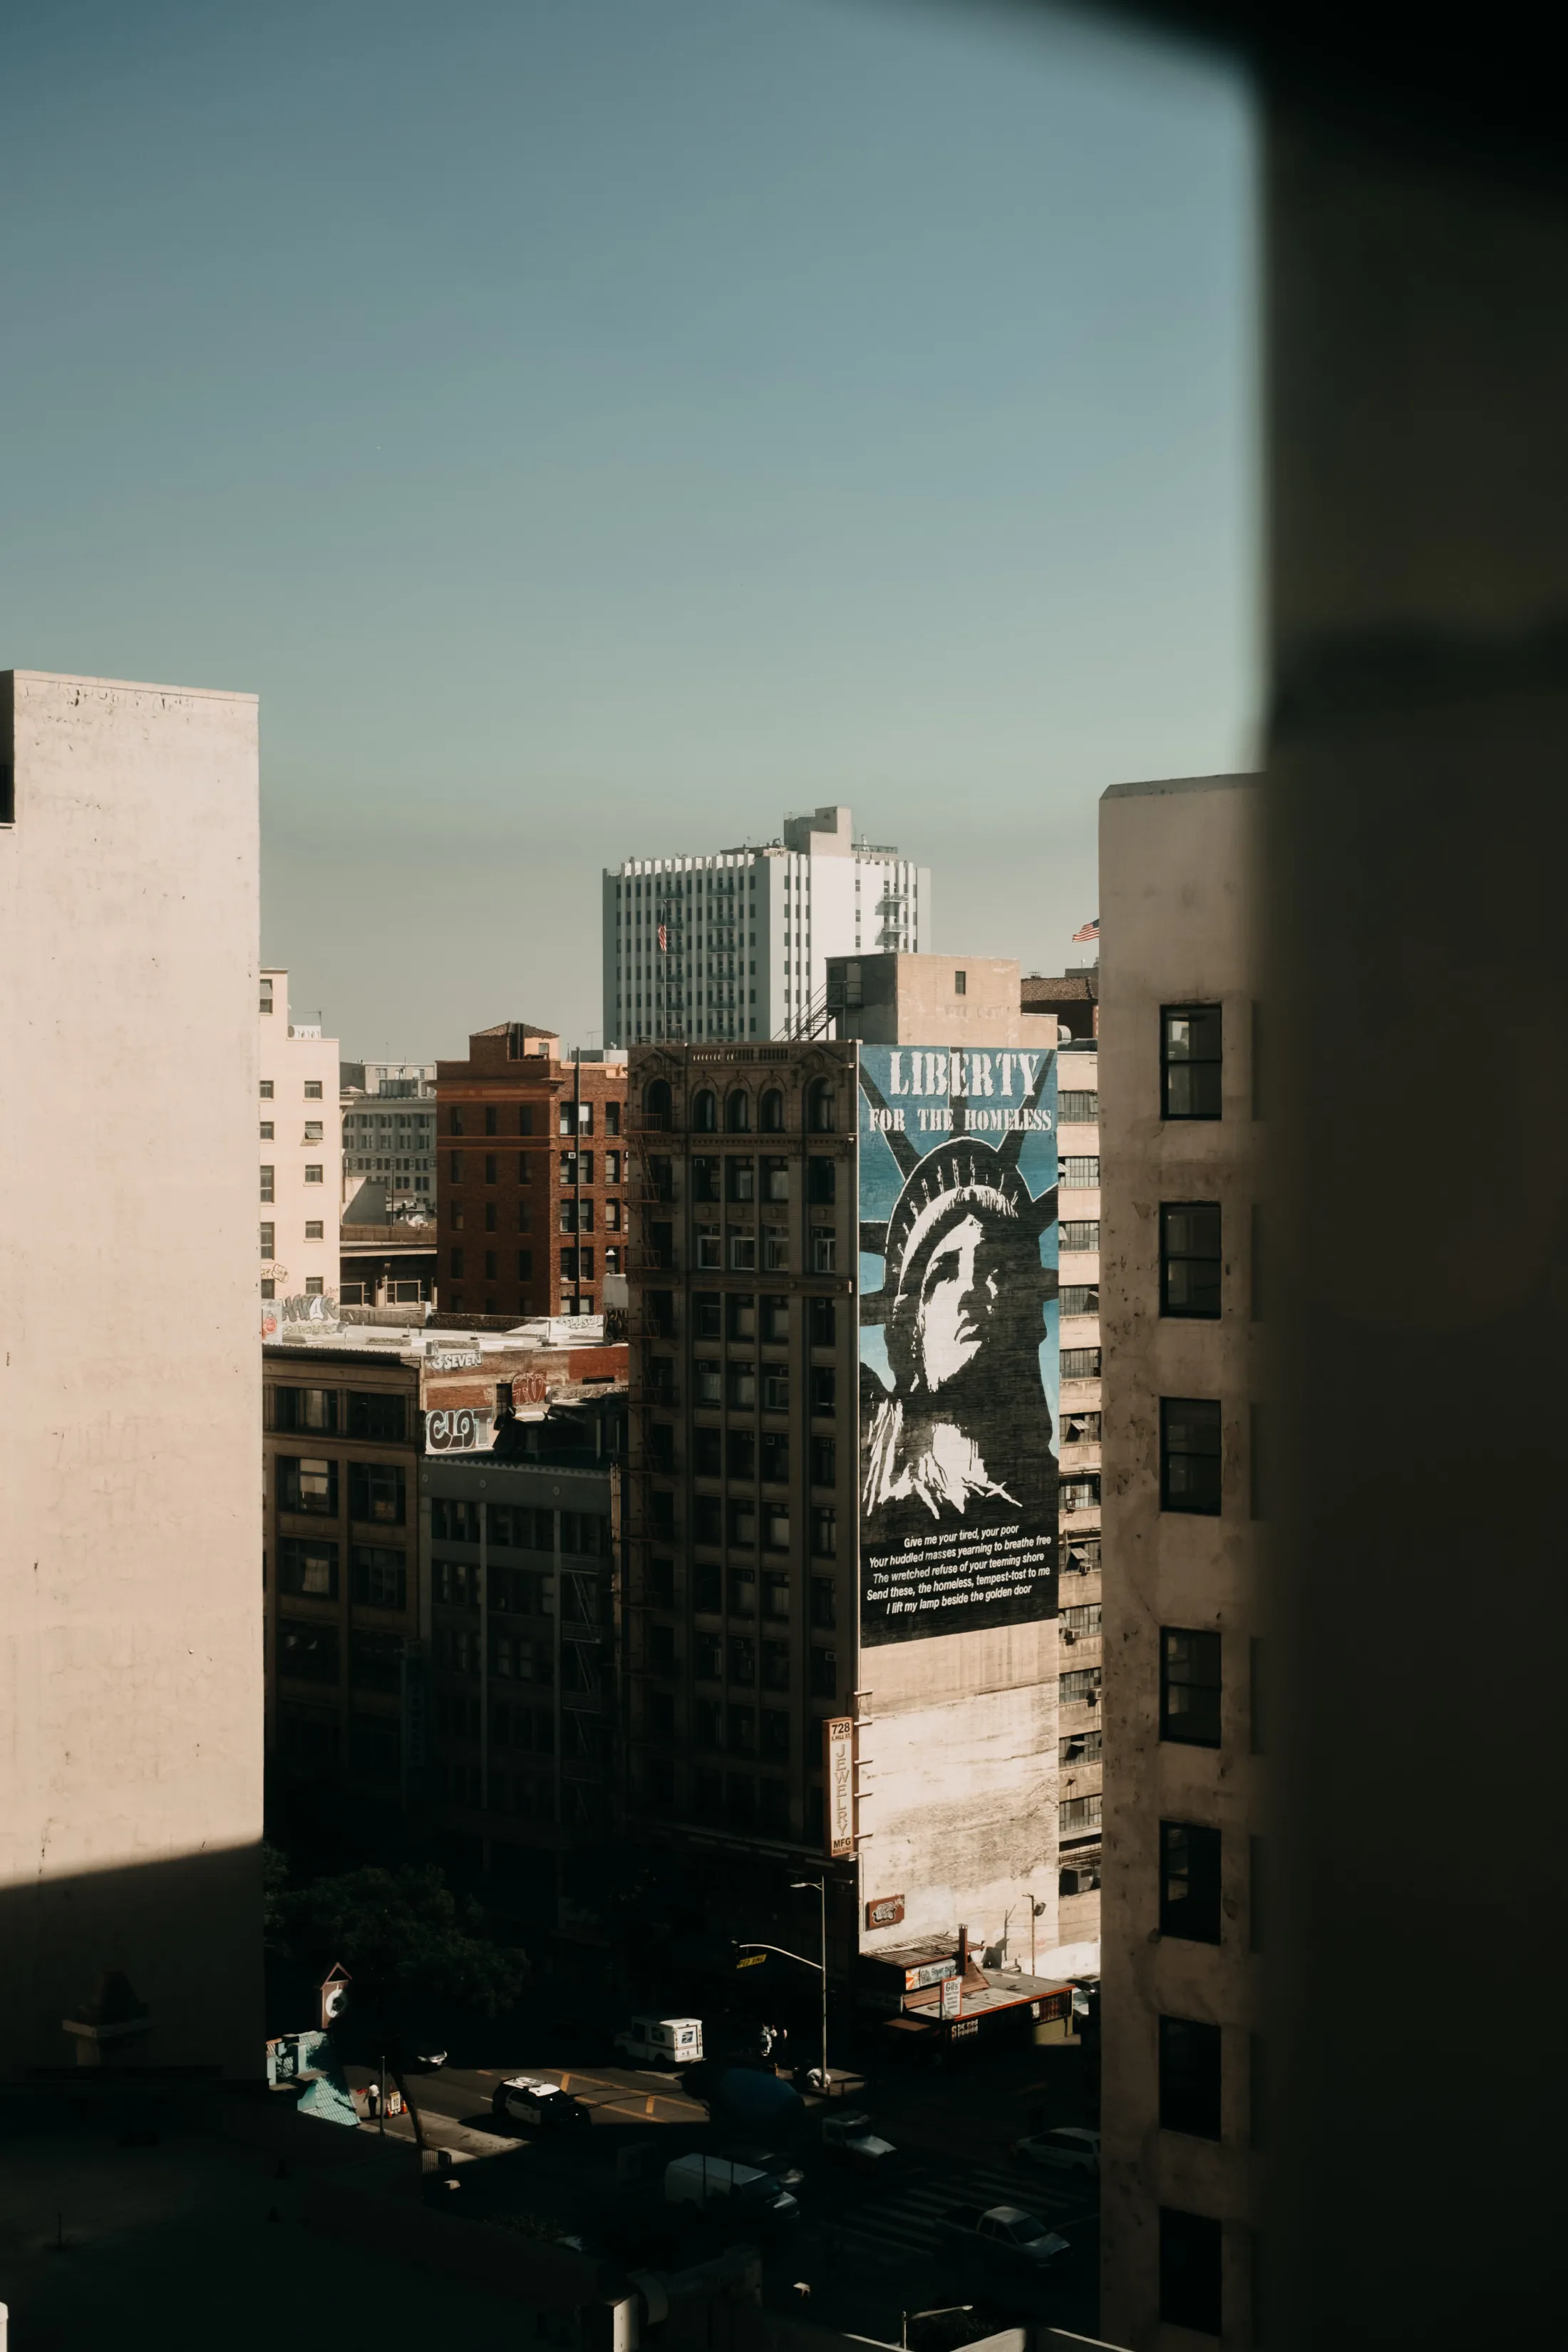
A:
x: 389, y: 1133
x: 299, y: 1149
x: 842, y: 1521
x: 1179, y: 1919
x: 130, y: 1604
x: 735, y: 945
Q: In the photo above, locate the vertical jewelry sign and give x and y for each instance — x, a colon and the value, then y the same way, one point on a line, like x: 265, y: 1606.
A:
x: 838, y: 1784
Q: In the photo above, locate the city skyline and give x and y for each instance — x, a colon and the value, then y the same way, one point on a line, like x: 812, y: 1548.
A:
x: 739, y: 408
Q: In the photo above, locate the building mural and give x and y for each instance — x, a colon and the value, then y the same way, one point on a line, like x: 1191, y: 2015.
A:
x: 958, y: 1340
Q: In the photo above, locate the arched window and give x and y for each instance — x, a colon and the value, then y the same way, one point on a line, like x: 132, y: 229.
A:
x: 772, y: 1119
x: 821, y: 1108
x: 656, y: 1102
x: 738, y: 1113
x: 705, y: 1113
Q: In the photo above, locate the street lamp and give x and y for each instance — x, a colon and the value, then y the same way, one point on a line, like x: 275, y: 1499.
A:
x: 821, y: 1887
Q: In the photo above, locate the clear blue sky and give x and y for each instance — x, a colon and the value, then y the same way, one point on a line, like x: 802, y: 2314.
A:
x: 595, y: 426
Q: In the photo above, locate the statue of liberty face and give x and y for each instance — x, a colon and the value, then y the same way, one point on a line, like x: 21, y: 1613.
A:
x: 961, y: 1293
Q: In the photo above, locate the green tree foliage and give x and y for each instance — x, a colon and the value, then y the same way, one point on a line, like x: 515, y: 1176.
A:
x: 418, y: 1956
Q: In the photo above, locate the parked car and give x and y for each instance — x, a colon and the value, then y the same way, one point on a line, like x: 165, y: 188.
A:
x: 661, y: 2041
x: 706, y: 2180
x: 850, y: 2140
x: 529, y: 2099
x: 1068, y: 2148
x: 1019, y: 2240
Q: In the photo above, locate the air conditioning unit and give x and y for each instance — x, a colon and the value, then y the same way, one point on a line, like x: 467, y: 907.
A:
x: 1067, y: 1634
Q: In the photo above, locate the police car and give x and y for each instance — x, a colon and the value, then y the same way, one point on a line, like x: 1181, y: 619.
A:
x: 529, y: 2099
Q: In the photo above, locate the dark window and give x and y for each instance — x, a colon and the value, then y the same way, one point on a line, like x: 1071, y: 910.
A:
x: 708, y: 1512
x: 313, y: 1410
x: 1189, y: 1454
x: 379, y: 1576
x: 306, y: 1485
x: 661, y: 1648
x: 1189, y: 1881
x: 383, y: 1419
x: 1189, y: 1258
x: 708, y: 1584
x: 742, y: 1593
x: 823, y: 1461
x: 1080, y: 1363
x: 773, y: 1112
x: 823, y: 1610
x: 776, y: 1457
x: 825, y: 1533
x: 775, y: 1737
x: 457, y: 1263
x: 742, y: 1731
x: 823, y: 1674
x: 823, y: 1393
x: 376, y: 1491
x: 1255, y: 1697
x: 524, y: 1266
x: 742, y: 1179
x: 822, y: 1178
x: 1189, y: 1686
x: 1080, y: 1298
x: 1190, y: 1061
x: 823, y: 1320
x: 707, y: 1312
x: 308, y: 1569
x: 454, y: 1522
x: 455, y: 1120
x: 705, y: 1113
x: 775, y: 1666
x: 742, y: 1449
x: 492, y: 1127
x: 524, y: 1127
x: 375, y: 1746
x: 704, y: 1178
x: 961, y: 984
x: 738, y: 1112
x: 709, y: 1653
x: 742, y: 1316
x: 1190, y: 2271
x: 707, y: 1453
x: 1189, y: 2077
x: 376, y: 1661
x: 1079, y: 1234
x: 611, y: 1119
x: 307, y: 1652
x: 1077, y: 1110
x: 742, y: 1659
x: 743, y: 1387
x: 821, y: 1108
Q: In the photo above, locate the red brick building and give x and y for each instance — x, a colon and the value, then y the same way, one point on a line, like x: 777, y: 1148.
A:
x: 531, y: 1175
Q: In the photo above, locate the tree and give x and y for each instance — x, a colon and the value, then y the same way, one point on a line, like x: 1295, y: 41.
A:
x: 419, y: 1961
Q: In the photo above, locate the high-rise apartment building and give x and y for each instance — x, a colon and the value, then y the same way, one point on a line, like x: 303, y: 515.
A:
x: 129, y: 1667
x: 842, y: 1516
x: 531, y: 1175
x: 389, y: 1133
x: 735, y: 945
x: 300, y: 1149
x: 1181, y: 1924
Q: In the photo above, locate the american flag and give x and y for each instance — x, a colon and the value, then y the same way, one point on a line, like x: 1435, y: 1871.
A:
x: 1089, y: 931
x: 664, y: 939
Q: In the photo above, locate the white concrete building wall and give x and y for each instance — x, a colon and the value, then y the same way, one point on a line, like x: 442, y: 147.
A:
x: 299, y: 1151
x: 131, y: 1601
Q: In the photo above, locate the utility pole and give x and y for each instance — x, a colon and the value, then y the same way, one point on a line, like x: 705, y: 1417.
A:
x: 821, y: 1887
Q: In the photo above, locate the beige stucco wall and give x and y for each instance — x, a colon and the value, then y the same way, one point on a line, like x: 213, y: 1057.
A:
x: 129, y: 1587
x: 1177, y: 907
x: 913, y: 1000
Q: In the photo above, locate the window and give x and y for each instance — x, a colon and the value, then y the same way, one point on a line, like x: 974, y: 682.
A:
x: 1082, y: 1621
x: 315, y: 1230
x: 307, y: 1569
x: 773, y: 1112
x: 708, y: 1587
x: 266, y: 1002
x: 738, y: 1112
x: 1077, y: 1110
x: 1078, y: 1815
x: 742, y: 1659
x: 775, y: 1750
x: 775, y: 1600
x: 313, y: 1130
x: 1190, y: 1061
x: 776, y: 1320
x: 454, y: 1522
x: 1080, y: 1298
x: 742, y: 1593
x: 378, y: 1577
x: 775, y: 1388
x: 743, y: 1250
x: 775, y: 1249
x: 742, y: 1316
x: 313, y: 1172
x: 1189, y: 1881
x: 710, y: 1382
x: 308, y: 1486
x: 823, y: 1674
x: 1079, y: 1234
x: 705, y: 1113
x: 824, y: 1599
x: 823, y: 1461
x: 525, y: 1265
x: 611, y: 1119
x: 823, y: 1318
x: 1189, y: 1687
x: 375, y: 1660
x: 710, y: 1249
x: 1189, y: 1456
x: 383, y: 1420
x: 743, y: 1732
x: 315, y: 1286
x: 775, y: 1666
x: 777, y: 1527
x: 821, y: 1108
x: 1189, y: 2077
x: 1079, y: 1688
x: 824, y: 1533
x: 775, y: 1179
x: 742, y: 1449
x: 376, y: 1492
x: 743, y: 1387
x: 1080, y: 1172
x: 822, y: 1178
x: 744, y: 1522
x: 1190, y: 2269
x: 1081, y: 1747
x: 268, y: 1191
x: 306, y: 1409
x: 741, y: 1179
x: 1080, y: 1493
x: 823, y: 1393
x: 961, y: 984
x: 708, y: 1314
x: 267, y: 1132
x: 307, y: 1652
x: 267, y: 1090
x: 312, y: 1093
x: 269, y: 1241
x: 1189, y: 1258
x: 824, y: 1249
